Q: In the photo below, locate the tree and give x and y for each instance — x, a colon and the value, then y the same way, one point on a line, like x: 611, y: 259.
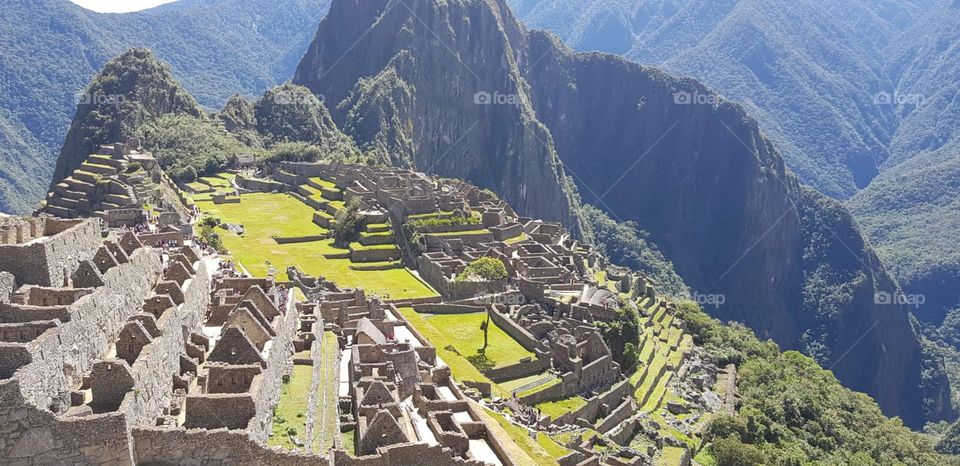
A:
x: 348, y: 223
x: 484, y: 269
x: 732, y: 452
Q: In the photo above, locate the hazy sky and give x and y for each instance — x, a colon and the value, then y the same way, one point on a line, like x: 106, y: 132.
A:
x: 119, y: 6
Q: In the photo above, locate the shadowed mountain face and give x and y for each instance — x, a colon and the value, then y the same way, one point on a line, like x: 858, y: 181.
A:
x: 460, y: 88
x: 860, y: 97
x: 52, y: 48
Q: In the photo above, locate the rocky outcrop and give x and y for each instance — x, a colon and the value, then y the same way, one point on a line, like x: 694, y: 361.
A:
x: 459, y: 88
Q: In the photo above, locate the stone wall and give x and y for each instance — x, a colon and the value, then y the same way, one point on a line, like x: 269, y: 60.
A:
x: 516, y: 331
x: 63, y: 355
x: 29, y: 435
x: 255, y: 184
x: 279, y: 363
x: 405, y: 455
x: 51, y: 261
x: 158, y: 362
x: 7, y: 285
x: 211, y: 448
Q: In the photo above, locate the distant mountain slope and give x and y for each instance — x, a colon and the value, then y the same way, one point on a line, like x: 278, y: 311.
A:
x: 809, y: 70
x: 459, y: 88
x: 848, y: 91
x: 50, y: 49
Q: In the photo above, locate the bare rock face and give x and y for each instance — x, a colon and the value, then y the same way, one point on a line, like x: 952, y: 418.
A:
x: 416, y: 82
x: 459, y: 88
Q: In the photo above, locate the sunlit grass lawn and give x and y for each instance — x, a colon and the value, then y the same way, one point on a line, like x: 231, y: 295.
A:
x: 464, y: 333
x: 291, y: 413
x: 460, y: 367
x: 264, y: 215
x: 558, y: 408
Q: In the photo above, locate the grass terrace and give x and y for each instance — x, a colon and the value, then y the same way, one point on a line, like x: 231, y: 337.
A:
x: 266, y: 215
x: 543, y: 450
x: 558, y: 408
x: 324, y: 183
x: 461, y: 368
x: 326, y: 428
x: 290, y: 416
x: 462, y: 331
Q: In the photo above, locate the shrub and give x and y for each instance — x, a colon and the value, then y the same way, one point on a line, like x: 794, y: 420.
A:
x: 732, y: 452
x: 484, y: 269
x: 348, y: 223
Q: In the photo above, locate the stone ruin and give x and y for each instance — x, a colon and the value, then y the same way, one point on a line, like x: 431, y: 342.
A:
x: 115, y: 184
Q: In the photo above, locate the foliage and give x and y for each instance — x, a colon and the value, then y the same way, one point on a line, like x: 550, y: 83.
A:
x: 208, y: 235
x: 181, y: 143
x: 732, y: 452
x: 794, y: 412
x: 52, y: 49
x: 349, y: 223
x: 627, y: 245
x: 622, y: 335
x: 444, y: 221
x: 292, y: 152
x: 484, y: 269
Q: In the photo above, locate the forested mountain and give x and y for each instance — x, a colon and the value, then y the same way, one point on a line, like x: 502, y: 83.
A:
x: 789, y: 409
x: 50, y: 49
x: 848, y: 91
x: 461, y: 89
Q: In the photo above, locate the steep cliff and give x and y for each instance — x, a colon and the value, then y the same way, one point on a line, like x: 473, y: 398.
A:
x: 459, y: 88
x: 407, y: 80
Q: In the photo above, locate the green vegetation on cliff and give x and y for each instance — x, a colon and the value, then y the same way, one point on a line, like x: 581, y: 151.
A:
x: 794, y: 412
x: 626, y: 244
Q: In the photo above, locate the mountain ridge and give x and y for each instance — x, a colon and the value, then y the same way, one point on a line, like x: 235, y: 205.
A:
x: 208, y: 44
x: 722, y: 197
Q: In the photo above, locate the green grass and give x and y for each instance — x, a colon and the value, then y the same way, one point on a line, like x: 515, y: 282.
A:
x: 531, y: 447
x: 350, y: 441
x: 669, y: 456
x: 460, y: 367
x: 360, y: 247
x: 705, y: 457
x: 514, y: 384
x: 538, y: 389
x: 463, y: 332
x: 324, y: 183
x: 558, y: 408
x: 460, y: 233
x: 216, y: 181
x: 552, y: 448
x: 291, y: 411
x: 516, y: 239
x: 326, y: 427
x: 265, y: 215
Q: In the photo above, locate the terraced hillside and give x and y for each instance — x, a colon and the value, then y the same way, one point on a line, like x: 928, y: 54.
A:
x: 281, y: 230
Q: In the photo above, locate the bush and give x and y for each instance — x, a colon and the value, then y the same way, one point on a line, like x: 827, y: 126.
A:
x: 186, y: 174
x: 348, y: 224
x: 622, y: 335
x: 484, y: 269
x: 732, y: 452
